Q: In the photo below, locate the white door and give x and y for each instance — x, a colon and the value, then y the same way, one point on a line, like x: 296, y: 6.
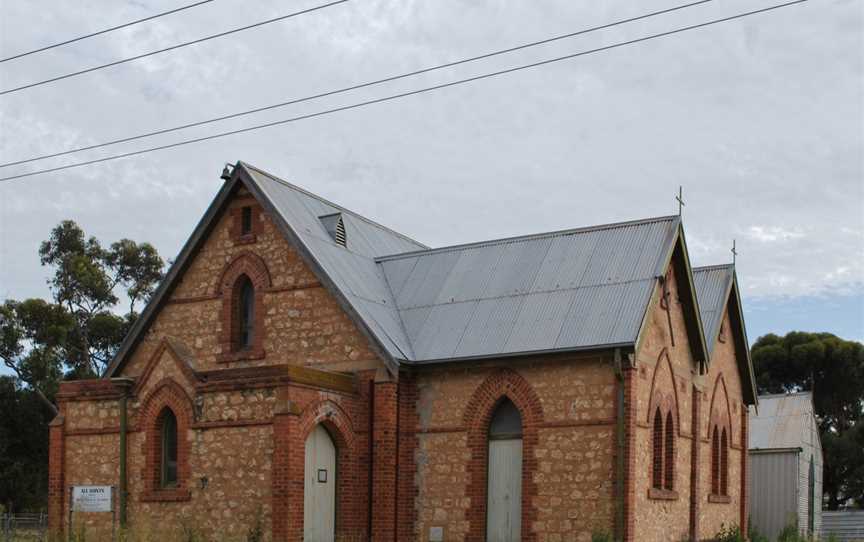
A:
x: 504, y: 491
x: 319, y: 496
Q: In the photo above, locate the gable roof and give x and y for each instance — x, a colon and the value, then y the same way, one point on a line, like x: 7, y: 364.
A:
x: 578, y: 289
x: 717, y: 289
x: 782, y: 422
x: 567, y: 290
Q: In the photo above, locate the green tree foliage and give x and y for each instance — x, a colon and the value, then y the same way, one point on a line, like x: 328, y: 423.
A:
x: 833, y: 369
x: 86, y: 279
x: 78, y: 332
x: 23, y: 446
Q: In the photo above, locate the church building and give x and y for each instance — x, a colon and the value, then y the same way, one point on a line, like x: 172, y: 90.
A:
x: 309, y: 374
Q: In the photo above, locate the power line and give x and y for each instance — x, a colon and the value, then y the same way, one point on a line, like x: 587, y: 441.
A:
x: 105, y: 31
x: 354, y: 87
x: 409, y: 93
x: 173, y: 47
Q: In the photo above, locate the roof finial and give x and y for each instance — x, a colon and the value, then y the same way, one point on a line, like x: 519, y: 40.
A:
x: 734, y: 252
x: 680, y: 199
x: 226, y: 172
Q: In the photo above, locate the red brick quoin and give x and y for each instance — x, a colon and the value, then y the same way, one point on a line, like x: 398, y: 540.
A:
x: 245, y: 264
x: 501, y: 384
x: 290, y: 430
x: 166, y: 394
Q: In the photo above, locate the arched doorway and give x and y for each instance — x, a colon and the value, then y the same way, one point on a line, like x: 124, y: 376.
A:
x: 504, y: 477
x: 319, y: 495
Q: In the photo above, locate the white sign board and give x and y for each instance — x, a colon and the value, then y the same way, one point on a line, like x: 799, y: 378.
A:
x: 92, y: 499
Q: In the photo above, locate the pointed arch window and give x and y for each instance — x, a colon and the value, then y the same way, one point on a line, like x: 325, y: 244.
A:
x: 663, y: 453
x: 720, y: 442
x: 168, y: 451
x: 246, y: 314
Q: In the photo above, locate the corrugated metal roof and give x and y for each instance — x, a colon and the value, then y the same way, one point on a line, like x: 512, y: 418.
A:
x: 564, y: 290
x: 712, y: 289
x: 782, y: 421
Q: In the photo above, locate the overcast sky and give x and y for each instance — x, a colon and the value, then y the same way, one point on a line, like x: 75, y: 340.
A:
x: 759, y: 119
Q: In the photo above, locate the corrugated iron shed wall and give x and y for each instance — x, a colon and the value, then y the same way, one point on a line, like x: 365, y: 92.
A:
x: 774, y: 491
x: 847, y: 525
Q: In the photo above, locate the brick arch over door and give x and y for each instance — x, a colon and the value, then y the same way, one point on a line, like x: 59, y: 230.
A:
x: 478, y: 413
x: 350, y: 514
x: 250, y: 265
x: 166, y: 394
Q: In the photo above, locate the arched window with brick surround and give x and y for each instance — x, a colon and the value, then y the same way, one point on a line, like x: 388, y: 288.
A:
x: 165, y: 417
x: 242, y: 287
x: 168, y: 449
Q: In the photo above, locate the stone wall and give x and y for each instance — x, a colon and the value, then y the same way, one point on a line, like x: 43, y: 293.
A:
x: 570, y: 489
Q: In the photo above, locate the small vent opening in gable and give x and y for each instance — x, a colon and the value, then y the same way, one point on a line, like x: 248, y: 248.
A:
x: 335, y: 227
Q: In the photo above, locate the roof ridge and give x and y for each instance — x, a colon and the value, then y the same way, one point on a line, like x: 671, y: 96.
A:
x: 527, y: 237
x: 328, y: 202
x: 714, y: 266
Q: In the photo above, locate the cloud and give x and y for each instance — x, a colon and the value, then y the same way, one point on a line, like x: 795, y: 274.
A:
x: 759, y: 120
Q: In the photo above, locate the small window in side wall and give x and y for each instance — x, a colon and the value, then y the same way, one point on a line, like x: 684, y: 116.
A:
x: 168, y: 455
x: 246, y: 221
x: 506, y: 422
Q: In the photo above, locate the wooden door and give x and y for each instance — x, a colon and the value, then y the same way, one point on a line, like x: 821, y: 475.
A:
x: 319, y: 496
x: 504, y: 491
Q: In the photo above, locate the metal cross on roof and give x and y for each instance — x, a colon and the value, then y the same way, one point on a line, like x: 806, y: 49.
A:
x: 680, y: 199
x: 734, y: 252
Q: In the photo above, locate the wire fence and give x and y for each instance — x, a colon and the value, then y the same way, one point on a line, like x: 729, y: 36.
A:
x: 23, y: 527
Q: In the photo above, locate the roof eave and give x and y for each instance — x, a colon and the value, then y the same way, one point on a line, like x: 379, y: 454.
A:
x: 199, y: 235
x: 628, y: 346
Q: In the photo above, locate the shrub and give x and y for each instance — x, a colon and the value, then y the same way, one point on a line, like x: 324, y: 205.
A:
x: 601, y: 536
x: 731, y: 533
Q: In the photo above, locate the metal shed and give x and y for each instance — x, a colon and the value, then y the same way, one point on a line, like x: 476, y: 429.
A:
x: 785, y: 465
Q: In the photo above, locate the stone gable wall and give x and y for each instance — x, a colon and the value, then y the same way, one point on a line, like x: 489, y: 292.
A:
x: 303, y: 322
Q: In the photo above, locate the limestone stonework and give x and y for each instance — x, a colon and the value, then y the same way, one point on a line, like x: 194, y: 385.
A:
x: 411, y: 443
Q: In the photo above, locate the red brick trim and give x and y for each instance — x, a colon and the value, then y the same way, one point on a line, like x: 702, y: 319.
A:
x: 629, y: 494
x: 271, y: 290
x: 178, y: 354
x: 236, y: 215
x: 166, y: 394
x: 56, y: 483
x: 662, y: 494
x: 409, y: 442
x: 715, y: 415
x: 250, y: 265
x: 290, y: 432
x: 695, y: 465
x: 385, y: 468
x: 503, y: 383
x: 96, y: 389
x: 744, y: 497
